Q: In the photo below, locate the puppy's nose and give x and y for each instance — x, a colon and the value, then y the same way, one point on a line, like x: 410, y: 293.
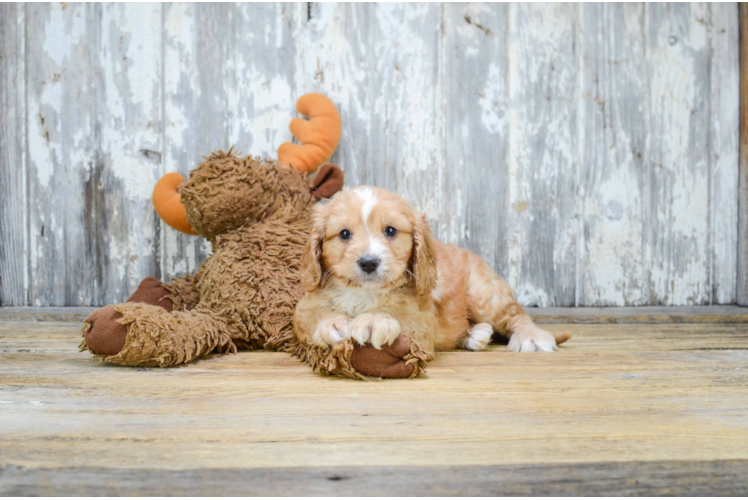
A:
x: 368, y: 264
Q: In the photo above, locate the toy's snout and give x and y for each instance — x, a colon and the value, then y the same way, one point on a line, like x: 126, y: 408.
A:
x: 166, y: 201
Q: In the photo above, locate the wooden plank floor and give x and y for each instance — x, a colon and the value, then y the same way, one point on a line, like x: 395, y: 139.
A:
x: 620, y: 409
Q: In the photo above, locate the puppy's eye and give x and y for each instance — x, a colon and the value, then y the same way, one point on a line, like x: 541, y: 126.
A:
x: 390, y: 231
x: 345, y: 234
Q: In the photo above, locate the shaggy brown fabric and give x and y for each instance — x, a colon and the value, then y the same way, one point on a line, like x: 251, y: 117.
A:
x: 225, y: 192
x: 253, y: 279
x: 105, y: 334
x: 257, y: 218
x: 183, y: 292
x: 156, y: 337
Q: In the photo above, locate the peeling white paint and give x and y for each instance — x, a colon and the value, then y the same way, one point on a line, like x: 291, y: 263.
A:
x: 58, y: 29
x: 529, y: 296
x: 680, y: 269
x: 492, y: 115
x: 540, y: 153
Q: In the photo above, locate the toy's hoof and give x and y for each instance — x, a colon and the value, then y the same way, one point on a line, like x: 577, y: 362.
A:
x: 151, y: 292
x: 386, y: 362
x: 106, y: 335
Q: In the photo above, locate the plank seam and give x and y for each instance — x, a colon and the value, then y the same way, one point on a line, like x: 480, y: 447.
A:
x: 742, y: 281
x: 27, y: 215
x: 710, y: 160
x: 649, y: 227
x: 158, y: 240
x: 577, y: 147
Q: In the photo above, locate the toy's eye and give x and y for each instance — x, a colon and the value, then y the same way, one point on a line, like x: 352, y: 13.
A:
x: 345, y: 234
x: 390, y: 231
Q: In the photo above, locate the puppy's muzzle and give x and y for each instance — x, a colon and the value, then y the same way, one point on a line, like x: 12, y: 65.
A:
x: 368, y: 264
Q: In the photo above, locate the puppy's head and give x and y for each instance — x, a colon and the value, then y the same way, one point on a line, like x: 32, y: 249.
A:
x: 371, y: 238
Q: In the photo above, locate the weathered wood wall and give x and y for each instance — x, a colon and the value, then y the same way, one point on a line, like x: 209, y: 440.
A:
x: 588, y: 152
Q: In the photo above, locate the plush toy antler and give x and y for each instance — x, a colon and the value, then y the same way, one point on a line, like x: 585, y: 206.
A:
x: 319, y: 136
x: 168, y: 205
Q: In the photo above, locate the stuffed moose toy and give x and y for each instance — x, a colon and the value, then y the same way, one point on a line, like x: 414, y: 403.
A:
x: 256, y: 213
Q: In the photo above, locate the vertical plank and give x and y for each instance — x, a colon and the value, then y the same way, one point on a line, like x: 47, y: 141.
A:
x: 259, y: 77
x: 742, y: 284
x: 407, y: 128
x: 196, y: 39
x: 380, y: 64
x: 179, y: 251
x: 229, y: 77
x: 61, y: 128
x: 611, y: 153
x: 129, y: 162
x: 334, y: 56
x: 679, y: 174
x: 725, y: 135
x: 542, y: 229
x: 13, y: 201
x: 475, y: 88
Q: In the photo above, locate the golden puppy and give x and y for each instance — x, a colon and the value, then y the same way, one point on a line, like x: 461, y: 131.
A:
x: 373, y: 270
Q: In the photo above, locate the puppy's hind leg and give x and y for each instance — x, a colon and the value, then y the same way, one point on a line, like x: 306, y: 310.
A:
x: 490, y: 300
x: 478, y: 337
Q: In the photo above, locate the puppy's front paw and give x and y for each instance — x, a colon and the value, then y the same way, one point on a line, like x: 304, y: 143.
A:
x: 531, y: 341
x: 377, y: 329
x: 331, y: 330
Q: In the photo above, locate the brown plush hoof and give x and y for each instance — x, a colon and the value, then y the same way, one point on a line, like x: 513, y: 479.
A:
x: 151, y: 292
x: 106, y: 335
x: 386, y: 362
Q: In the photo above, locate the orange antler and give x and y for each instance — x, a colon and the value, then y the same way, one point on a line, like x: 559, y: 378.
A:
x: 166, y: 201
x: 319, y: 136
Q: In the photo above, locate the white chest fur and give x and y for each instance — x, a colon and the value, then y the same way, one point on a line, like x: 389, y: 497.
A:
x: 354, y: 301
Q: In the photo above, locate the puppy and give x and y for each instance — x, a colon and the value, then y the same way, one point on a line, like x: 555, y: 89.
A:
x: 372, y: 271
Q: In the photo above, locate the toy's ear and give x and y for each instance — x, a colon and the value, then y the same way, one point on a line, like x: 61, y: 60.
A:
x: 319, y: 136
x: 328, y: 181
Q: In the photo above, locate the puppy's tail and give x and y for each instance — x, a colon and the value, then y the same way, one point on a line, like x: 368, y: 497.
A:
x: 561, y: 337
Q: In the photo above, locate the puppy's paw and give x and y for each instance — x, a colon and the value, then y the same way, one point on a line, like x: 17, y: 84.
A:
x: 331, y: 330
x: 377, y: 329
x: 531, y: 340
x: 478, y: 337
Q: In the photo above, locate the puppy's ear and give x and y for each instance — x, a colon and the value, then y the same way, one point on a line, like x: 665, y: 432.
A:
x: 311, y: 260
x: 423, y: 260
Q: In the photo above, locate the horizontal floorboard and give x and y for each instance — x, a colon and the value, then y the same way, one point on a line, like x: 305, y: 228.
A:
x: 546, y: 315
x: 681, y: 478
x: 620, y: 408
